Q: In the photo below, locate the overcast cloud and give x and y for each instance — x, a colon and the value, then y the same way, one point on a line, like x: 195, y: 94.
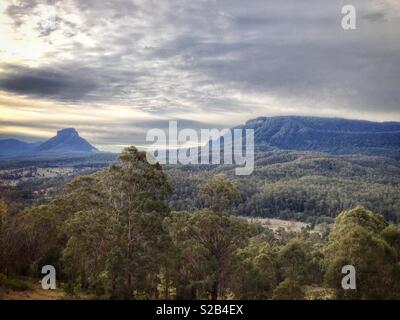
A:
x: 114, y: 69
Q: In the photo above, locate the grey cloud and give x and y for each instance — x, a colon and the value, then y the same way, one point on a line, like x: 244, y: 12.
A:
x: 374, y: 16
x: 182, y: 56
x: 46, y: 83
x: 303, y: 56
x: 20, y: 10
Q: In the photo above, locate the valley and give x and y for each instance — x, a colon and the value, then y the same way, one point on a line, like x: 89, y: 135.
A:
x: 117, y: 226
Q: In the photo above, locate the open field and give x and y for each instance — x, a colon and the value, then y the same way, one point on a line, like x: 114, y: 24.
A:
x: 275, y: 224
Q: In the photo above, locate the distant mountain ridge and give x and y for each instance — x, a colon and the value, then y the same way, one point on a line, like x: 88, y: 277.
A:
x: 16, y: 147
x: 331, y: 135
x: 66, y: 142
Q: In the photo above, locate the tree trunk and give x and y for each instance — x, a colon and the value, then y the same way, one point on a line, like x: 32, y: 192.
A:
x: 214, y: 290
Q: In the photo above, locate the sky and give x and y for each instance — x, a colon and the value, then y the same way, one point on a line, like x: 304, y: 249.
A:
x: 115, y: 69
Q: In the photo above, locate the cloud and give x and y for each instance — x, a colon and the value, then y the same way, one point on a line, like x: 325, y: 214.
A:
x: 47, y: 83
x: 215, y: 62
x: 374, y: 16
x: 20, y: 10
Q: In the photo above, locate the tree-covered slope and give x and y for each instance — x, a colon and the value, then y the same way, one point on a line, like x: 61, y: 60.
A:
x: 301, y: 185
x: 332, y: 135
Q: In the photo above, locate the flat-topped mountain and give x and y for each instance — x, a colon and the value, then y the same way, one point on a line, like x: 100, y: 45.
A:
x: 66, y: 142
x: 331, y: 135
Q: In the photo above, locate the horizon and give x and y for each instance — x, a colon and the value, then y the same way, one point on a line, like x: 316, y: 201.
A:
x: 116, y: 71
x: 118, y: 148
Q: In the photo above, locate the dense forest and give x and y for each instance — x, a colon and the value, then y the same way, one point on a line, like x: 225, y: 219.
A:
x: 119, y: 233
x: 305, y: 186
x: 299, y: 185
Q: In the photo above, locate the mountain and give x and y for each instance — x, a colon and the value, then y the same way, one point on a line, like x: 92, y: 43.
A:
x: 331, y: 135
x: 67, y: 142
x: 14, y: 147
x: 308, y: 169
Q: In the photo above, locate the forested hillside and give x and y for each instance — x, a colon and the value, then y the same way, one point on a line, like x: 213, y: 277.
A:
x: 112, y: 235
x: 331, y: 135
x: 306, y: 186
x: 309, y: 169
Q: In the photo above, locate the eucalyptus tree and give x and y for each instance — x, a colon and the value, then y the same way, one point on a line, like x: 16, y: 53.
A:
x: 362, y: 239
x: 116, y: 235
